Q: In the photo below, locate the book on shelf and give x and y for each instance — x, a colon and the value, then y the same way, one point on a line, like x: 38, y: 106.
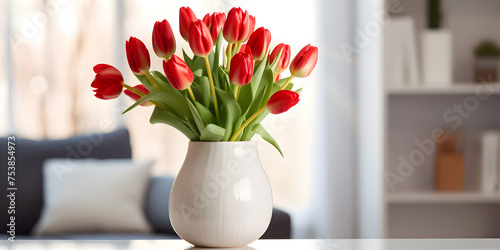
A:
x: 401, y: 65
x: 490, y: 161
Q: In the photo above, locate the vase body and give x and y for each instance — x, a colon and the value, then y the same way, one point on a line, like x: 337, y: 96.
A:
x: 221, y: 197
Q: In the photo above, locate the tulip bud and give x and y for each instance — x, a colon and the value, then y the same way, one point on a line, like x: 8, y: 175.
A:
x: 239, y: 25
x: 178, y: 73
x: 277, y: 77
x: 304, y: 62
x: 163, y: 39
x: 200, y: 39
x: 137, y: 56
x: 284, y: 60
x: 108, y: 82
x: 215, y: 22
x: 259, y: 43
x: 282, y: 101
x: 241, y: 71
x: 136, y: 97
x: 186, y: 16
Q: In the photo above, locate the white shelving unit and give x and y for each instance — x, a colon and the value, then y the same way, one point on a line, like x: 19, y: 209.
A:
x: 443, y: 198
x: 461, y: 88
x: 412, y: 209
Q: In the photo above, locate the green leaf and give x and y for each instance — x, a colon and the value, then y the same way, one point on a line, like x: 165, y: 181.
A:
x: 238, y: 124
x: 205, y: 90
x: 196, y: 116
x: 198, y: 73
x: 280, y: 82
x: 260, y: 130
x: 187, y: 59
x: 160, y: 115
x: 215, y: 63
x: 174, y: 103
x: 192, y: 125
x: 298, y: 91
x: 212, y: 133
x: 206, y: 115
x: 257, y: 75
x: 230, y: 112
x: 199, y: 63
x: 245, y: 98
x: 267, y: 81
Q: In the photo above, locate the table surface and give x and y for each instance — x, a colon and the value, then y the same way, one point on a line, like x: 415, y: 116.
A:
x: 317, y: 244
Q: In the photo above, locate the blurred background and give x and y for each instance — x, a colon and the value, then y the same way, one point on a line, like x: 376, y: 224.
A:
x: 388, y: 139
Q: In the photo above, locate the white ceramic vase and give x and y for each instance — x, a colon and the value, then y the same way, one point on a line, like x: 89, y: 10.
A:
x: 221, y: 197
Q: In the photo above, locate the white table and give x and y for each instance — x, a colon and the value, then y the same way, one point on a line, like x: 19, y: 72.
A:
x: 364, y: 244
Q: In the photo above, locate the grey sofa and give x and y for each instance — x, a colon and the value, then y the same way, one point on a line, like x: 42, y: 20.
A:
x: 30, y: 156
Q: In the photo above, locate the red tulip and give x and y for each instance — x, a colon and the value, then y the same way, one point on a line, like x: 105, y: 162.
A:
x: 277, y: 77
x: 163, y: 39
x: 259, y: 43
x: 284, y: 60
x: 239, y: 25
x: 136, y: 97
x: 200, y: 39
x: 215, y: 22
x: 137, y: 56
x: 178, y: 73
x: 108, y: 82
x: 304, y: 62
x: 186, y: 16
x: 282, y: 101
x: 241, y: 71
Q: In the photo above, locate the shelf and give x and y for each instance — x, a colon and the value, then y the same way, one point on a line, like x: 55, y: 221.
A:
x: 461, y: 88
x: 442, y: 198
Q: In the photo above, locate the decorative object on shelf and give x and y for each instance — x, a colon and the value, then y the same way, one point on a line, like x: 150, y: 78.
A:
x: 486, y: 63
x: 449, y: 166
x: 221, y: 196
x: 400, y: 52
x: 436, y: 49
x: 490, y: 161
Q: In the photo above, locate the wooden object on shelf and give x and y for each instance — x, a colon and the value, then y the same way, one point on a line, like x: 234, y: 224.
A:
x: 449, y: 169
x: 449, y: 172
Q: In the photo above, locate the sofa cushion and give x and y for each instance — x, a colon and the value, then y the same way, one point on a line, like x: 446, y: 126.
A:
x: 94, y: 196
x: 30, y: 156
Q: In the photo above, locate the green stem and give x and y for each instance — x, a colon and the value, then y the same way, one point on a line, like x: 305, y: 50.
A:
x: 191, y: 93
x: 229, y: 51
x: 238, y: 47
x: 148, y: 75
x: 133, y: 89
x: 287, y: 82
x: 246, y: 123
x: 238, y: 89
x: 212, y: 87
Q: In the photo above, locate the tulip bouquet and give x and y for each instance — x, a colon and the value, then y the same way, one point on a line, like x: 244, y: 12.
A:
x: 211, y: 97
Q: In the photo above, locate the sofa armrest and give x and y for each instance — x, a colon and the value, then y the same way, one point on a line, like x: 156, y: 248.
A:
x: 280, y: 226
x: 157, y: 204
